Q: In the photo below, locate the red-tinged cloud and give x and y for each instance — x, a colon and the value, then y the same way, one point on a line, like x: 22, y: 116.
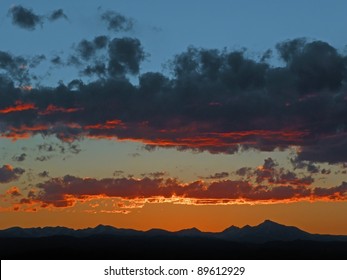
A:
x: 18, y: 107
x: 68, y: 190
x: 52, y: 109
x: 13, y: 192
x: 216, y: 101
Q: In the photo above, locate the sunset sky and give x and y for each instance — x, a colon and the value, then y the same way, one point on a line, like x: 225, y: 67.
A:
x: 168, y: 114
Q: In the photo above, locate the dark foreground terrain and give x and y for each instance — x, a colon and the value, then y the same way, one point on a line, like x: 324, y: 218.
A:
x: 268, y: 240
x: 111, y: 247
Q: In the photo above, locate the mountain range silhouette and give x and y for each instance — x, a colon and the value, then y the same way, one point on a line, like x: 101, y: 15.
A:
x: 268, y: 240
x: 264, y: 232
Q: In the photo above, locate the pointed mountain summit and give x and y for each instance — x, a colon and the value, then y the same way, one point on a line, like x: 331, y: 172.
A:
x: 264, y: 232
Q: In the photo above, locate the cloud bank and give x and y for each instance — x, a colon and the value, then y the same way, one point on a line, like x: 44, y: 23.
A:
x: 215, y: 101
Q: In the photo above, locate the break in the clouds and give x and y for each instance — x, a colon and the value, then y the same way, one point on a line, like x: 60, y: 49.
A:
x: 9, y: 173
x: 27, y: 19
x: 66, y: 191
x: 216, y: 101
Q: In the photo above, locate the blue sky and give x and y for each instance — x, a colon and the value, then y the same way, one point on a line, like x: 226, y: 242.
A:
x: 167, y: 28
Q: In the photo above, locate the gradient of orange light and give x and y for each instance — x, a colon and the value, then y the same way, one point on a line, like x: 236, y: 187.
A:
x: 317, y: 217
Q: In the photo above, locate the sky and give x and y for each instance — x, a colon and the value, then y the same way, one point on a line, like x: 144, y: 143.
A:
x: 172, y: 115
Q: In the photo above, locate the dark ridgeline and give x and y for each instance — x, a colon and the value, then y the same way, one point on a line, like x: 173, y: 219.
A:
x: 269, y: 240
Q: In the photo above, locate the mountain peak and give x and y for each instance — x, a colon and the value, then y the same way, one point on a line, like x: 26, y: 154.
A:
x: 269, y: 223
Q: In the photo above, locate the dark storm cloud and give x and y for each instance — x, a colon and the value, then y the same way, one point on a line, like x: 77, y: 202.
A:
x: 316, y: 65
x: 20, y: 157
x: 87, y: 49
x: 9, y: 174
x: 66, y: 191
x: 25, y: 18
x: 116, y: 21
x: 216, y: 101
x: 309, y: 166
x: 329, y: 148
x: 125, y: 54
x: 57, y: 14
x: 15, y: 66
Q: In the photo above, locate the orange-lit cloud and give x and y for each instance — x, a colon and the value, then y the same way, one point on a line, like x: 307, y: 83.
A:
x: 51, y: 109
x: 107, y: 125
x: 23, y: 131
x: 18, y: 107
x: 68, y: 190
x: 9, y: 173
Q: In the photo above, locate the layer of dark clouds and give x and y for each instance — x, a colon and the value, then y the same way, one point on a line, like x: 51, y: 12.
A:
x: 216, y: 101
x: 9, y: 174
x: 65, y: 191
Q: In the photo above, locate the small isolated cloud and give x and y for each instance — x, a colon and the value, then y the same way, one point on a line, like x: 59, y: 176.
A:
x: 25, y: 18
x: 118, y: 173
x: 57, y: 14
x: 87, y: 49
x: 13, y: 192
x: 44, y: 174
x: 20, y: 157
x: 62, y: 148
x: 154, y: 175
x: 309, y: 166
x: 117, y: 22
x: 271, y: 174
x: 43, y: 158
x: 9, y: 174
x: 134, y: 155
x: 218, y: 175
x: 57, y: 60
